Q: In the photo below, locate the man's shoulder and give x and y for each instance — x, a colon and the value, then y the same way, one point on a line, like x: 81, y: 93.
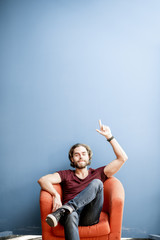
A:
x: 98, y: 173
x: 65, y: 174
x: 99, y: 169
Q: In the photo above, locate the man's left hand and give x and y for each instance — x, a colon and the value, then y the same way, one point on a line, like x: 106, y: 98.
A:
x: 104, y: 130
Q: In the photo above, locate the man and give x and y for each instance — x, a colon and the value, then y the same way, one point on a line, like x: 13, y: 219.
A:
x: 82, y: 188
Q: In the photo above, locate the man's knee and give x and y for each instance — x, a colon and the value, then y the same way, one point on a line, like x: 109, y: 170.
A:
x: 97, y: 183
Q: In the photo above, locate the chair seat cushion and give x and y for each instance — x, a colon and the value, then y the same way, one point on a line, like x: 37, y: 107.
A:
x: 100, y: 229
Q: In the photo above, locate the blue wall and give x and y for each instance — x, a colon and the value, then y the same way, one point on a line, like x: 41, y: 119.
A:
x: 64, y: 65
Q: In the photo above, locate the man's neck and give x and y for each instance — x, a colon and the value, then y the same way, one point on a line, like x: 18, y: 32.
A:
x: 81, y: 173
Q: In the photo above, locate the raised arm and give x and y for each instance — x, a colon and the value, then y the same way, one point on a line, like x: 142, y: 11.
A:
x: 116, y: 164
x: 46, y: 183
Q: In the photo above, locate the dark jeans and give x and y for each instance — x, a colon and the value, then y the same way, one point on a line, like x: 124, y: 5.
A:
x: 87, y: 207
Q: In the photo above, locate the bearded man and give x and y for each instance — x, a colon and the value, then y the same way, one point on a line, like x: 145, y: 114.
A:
x: 82, y: 188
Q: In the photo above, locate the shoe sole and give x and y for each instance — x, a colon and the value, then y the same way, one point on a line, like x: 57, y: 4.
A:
x: 51, y: 220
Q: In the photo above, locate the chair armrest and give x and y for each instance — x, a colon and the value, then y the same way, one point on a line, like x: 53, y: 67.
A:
x: 114, y: 202
x: 46, y: 204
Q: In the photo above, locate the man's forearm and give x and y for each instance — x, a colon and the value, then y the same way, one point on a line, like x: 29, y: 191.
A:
x: 116, y: 164
x: 47, y: 186
x: 118, y: 150
x: 46, y: 183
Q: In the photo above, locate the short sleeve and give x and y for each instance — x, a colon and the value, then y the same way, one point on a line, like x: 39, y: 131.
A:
x: 64, y: 174
x: 100, y: 171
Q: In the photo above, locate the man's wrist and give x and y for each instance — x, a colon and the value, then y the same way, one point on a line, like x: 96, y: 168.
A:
x: 56, y: 195
x: 110, y: 138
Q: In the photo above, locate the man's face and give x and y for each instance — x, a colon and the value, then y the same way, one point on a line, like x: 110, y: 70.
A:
x: 80, y: 157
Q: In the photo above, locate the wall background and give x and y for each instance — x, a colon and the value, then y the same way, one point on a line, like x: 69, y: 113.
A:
x: 64, y: 65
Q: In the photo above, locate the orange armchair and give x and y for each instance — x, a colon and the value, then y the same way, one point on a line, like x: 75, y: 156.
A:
x: 109, y: 226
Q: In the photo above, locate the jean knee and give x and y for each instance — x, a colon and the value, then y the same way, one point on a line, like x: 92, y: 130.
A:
x: 97, y: 183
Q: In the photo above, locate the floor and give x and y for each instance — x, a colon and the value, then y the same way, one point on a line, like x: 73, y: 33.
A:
x: 39, y: 237
x: 26, y: 237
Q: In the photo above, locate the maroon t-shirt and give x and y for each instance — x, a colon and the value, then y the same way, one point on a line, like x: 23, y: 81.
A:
x: 72, y: 185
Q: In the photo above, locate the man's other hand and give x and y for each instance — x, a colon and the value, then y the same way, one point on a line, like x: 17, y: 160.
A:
x: 56, y: 202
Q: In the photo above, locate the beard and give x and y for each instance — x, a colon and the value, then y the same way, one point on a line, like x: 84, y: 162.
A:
x: 81, y: 165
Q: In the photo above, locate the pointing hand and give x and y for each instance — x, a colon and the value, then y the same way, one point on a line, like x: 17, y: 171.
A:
x: 104, y: 130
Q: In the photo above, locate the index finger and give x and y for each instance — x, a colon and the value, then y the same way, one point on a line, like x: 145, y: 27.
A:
x: 100, y: 123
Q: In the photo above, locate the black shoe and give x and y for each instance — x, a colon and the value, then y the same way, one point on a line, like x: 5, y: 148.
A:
x: 53, y: 218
